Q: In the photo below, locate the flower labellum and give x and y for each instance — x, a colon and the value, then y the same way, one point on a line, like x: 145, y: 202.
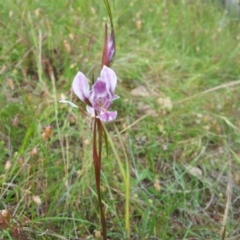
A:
x: 100, y: 97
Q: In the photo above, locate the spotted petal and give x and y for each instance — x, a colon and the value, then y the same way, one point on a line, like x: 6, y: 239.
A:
x: 80, y: 86
x: 107, y: 116
x: 100, y: 97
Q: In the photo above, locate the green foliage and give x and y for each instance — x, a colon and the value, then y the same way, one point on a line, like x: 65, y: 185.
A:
x: 180, y: 155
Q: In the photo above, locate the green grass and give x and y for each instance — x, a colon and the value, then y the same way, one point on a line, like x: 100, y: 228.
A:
x: 173, y: 49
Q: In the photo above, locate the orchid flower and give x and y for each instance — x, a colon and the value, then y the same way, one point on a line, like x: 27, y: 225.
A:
x: 100, y: 97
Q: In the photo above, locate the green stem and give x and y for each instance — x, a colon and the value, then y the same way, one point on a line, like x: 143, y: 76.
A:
x: 109, y: 12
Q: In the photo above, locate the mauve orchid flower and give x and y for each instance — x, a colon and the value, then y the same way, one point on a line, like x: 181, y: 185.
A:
x: 100, y: 97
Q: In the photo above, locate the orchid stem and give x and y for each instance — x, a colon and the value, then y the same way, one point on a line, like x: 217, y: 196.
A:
x: 97, y: 166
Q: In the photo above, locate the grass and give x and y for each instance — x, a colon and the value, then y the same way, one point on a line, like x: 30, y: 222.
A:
x: 183, y: 153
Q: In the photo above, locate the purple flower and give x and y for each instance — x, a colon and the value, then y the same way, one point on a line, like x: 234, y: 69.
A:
x: 100, y: 97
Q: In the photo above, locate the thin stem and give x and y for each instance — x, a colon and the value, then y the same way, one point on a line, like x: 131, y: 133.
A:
x: 100, y: 130
x: 97, y: 167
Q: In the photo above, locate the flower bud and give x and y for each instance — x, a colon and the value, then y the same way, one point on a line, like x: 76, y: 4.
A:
x: 109, y: 47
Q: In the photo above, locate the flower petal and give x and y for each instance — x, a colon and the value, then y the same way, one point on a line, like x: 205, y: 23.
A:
x: 107, y: 116
x: 114, y: 97
x: 99, y: 87
x: 109, y: 77
x: 90, y: 111
x: 70, y: 103
x: 80, y: 86
x: 100, y: 97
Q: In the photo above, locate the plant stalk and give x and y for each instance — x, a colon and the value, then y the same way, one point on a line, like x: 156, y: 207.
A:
x: 97, y: 136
